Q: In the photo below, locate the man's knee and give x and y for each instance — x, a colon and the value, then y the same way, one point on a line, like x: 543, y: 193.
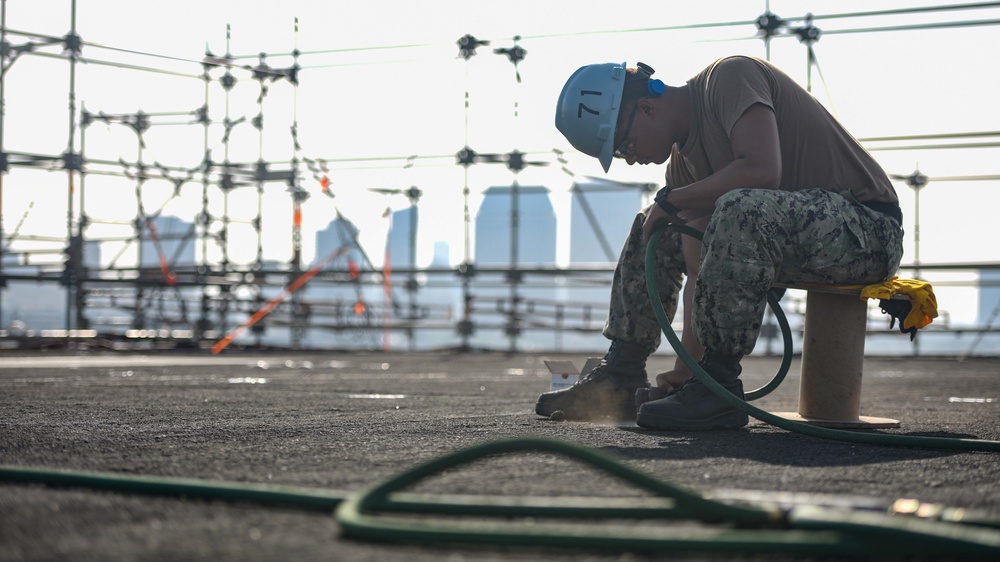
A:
x: 738, y: 201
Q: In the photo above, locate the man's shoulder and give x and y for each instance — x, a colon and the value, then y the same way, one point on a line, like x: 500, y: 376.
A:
x: 735, y: 71
x: 739, y: 63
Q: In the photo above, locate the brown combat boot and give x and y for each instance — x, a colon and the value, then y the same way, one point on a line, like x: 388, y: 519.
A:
x: 694, y: 407
x: 607, y: 392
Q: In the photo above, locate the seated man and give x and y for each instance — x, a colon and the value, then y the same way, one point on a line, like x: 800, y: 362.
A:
x: 609, y: 391
x: 793, y: 198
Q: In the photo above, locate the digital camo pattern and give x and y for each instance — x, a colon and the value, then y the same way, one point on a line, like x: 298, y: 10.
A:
x: 630, y: 315
x: 758, y: 237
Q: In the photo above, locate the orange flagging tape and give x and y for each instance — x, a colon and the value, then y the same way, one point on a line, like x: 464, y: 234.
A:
x: 168, y: 275
x: 287, y: 292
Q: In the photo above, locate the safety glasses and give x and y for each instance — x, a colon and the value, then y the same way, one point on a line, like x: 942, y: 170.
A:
x: 624, y: 149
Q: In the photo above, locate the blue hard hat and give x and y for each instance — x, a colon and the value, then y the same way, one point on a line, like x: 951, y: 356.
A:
x: 587, y: 112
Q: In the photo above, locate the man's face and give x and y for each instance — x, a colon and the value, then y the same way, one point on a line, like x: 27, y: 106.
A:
x: 624, y: 147
x: 643, y: 139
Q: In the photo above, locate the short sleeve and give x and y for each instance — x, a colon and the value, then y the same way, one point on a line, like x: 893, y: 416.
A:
x: 734, y: 85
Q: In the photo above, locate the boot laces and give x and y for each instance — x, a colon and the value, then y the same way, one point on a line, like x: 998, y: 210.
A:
x: 604, y: 371
x: 689, y: 386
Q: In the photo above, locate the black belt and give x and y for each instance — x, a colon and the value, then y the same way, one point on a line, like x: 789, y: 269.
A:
x: 891, y: 209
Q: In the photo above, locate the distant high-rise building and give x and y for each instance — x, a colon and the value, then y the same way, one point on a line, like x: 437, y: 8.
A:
x: 536, y: 243
x: 176, y: 240
x: 340, y: 234
x: 495, y: 295
x: 402, y: 238
x: 33, y: 304
x: 337, y: 303
x: 442, y: 255
x: 92, y: 254
x: 989, y: 296
x: 601, y: 213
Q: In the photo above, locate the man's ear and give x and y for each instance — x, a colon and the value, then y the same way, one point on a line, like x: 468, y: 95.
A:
x: 647, y: 107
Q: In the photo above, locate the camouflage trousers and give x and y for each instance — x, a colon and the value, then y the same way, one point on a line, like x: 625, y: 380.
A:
x: 755, y: 238
x: 758, y: 237
x: 630, y: 314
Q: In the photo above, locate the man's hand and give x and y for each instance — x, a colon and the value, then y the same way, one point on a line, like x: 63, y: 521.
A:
x: 656, y: 217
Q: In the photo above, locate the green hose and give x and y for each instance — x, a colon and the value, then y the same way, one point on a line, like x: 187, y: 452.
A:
x: 176, y: 487
x: 779, y: 315
x: 726, y: 527
x: 766, y: 417
x: 722, y: 526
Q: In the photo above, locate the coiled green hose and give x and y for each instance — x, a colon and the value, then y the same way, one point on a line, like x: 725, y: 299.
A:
x: 723, y: 526
x: 728, y: 527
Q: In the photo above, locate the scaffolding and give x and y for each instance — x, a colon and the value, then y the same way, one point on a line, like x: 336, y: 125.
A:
x: 210, y: 302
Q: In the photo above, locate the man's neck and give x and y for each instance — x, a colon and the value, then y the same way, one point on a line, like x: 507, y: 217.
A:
x: 678, y: 100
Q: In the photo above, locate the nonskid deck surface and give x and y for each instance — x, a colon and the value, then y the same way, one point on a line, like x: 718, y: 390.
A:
x: 345, y: 422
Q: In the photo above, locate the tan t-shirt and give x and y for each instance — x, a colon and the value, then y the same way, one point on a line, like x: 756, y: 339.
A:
x: 816, y: 150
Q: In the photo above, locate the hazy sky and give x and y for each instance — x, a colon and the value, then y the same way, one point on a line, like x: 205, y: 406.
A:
x: 367, y: 96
